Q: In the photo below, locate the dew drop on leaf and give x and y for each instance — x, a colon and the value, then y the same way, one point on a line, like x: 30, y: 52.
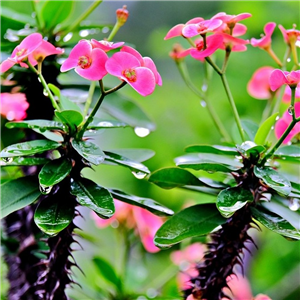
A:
x: 7, y: 160
x: 294, y: 205
x: 203, y: 103
x: 139, y: 175
x: 141, y: 131
x: 45, y: 189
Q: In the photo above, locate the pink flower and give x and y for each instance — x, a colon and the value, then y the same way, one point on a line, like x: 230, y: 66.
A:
x: 287, y: 94
x: 177, y: 29
x: 13, y: 106
x: 290, y: 36
x: 201, y: 28
x: 279, y: 78
x: 89, y: 63
x: 178, y: 52
x: 235, y: 44
x: 258, y: 86
x: 105, y: 45
x: 231, y: 20
x: 265, y: 41
x: 122, y: 15
x: 22, y: 52
x: 145, y: 223
x: 283, y: 123
x: 130, y: 69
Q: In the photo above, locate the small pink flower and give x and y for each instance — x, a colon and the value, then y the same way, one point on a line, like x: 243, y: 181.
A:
x: 290, y: 36
x: 178, y: 52
x: 235, y: 44
x: 288, y: 93
x: 13, y: 106
x: 22, y: 52
x: 145, y: 223
x: 89, y: 63
x: 238, y: 30
x: 177, y: 29
x: 265, y: 41
x: 201, y: 28
x: 128, y: 68
x: 259, y: 87
x: 105, y: 45
x: 283, y: 123
x: 279, y: 78
x: 231, y: 20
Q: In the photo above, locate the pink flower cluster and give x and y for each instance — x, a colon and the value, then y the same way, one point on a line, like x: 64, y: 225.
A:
x: 90, y: 60
x: 145, y: 223
x: 224, y: 28
x: 186, y: 259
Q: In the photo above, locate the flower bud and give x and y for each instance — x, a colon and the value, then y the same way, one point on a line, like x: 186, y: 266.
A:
x: 122, y: 15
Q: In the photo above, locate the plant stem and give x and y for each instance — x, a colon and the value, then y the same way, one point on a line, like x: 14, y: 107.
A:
x: 45, y: 85
x: 114, y: 31
x: 90, y: 98
x: 234, y: 109
x: 274, y: 56
x: 216, y: 68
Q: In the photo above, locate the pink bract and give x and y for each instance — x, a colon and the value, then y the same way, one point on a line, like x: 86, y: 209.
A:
x: 290, y: 36
x: 265, y: 41
x: 283, y: 123
x: 234, y: 43
x: 259, y: 87
x: 22, y: 51
x: 13, y: 106
x: 288, y: 93
x: 231, y: 20
x: 89, y: 63
x: 203, y: 27
x: 177, y: 29
x: 105, y: 45
x: 128, y: 68
x: 279, y: 78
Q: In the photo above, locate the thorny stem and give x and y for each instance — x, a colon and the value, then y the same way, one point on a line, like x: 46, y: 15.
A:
x: 45, y: 85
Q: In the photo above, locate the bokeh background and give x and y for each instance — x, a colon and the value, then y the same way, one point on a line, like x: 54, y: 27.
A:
x: 180, y: 121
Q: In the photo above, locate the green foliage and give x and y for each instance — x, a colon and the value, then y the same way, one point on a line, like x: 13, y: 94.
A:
x: 264, y: 130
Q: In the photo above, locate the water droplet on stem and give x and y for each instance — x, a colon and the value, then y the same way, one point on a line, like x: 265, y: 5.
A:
x: 290, y: 110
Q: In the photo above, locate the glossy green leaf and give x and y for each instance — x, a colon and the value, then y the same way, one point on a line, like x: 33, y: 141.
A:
x: 232, y: 199
x: 53, y: 136
x: 14, y: 16
x: 249, y: 149
x: 29, y: 148
x: 108, y: 272
x: 94, y: 197
x: 250, y: 128
x: 288, y: 153
x: 193, y: 221
x: 55, y: 12
x: 18, y: 193
x: 147, y: 203
x: 89, y: 151
x: 216, y: 149
x: 117, y: 159
x: 72, y: 118
x: 98, y: 124
x: 168, y: 178
x: 126, y: 110
x: 53, y: 215
x: 135, y: 154
x: 273, y: 179
x: 264, y: 130
x: 208, y: 162
x: 42, y: 125
x: 24, y: 161
x: 54, y: 171
x: 275, y: 223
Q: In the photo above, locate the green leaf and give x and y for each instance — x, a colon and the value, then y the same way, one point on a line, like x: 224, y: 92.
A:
x: 264, y: 130
x: 193, y: 221
x: 216, y: 149
x: 53, y: 215
x: 107, y: 271
x: 273, y: 179
x: 275, y: 223
x: 249, y: 149
x: 126, y: 110
x: 24, y: 161
x: 208, y: 162
x: 71, y: 118
x: 168, y: 178
x: 250, y: 128
x: 288, y: 153
x: 89, y: 151
x: 94, y: 197
x: 232, y: 199
x: 42, y: 125
x: 53, y: 136
x: 147, y: 203
x: 29, y: 148
x: 55, y: 12
x: 18, y: 193
x: 98, y: 124
x: 124, y: 161
x: 15, y: 16
x: 136, y: 154
x: 54, y: 172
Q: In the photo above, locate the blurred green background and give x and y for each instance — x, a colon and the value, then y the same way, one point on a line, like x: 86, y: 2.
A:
x: 181, y: 121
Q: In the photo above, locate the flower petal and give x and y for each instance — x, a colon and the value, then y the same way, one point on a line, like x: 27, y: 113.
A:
x: 145, y: 81
x: 277, y: 79
x: 174, y: 31
x: 6, y: 65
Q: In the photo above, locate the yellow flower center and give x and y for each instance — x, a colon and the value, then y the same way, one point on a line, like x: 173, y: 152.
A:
x: 84, y: 62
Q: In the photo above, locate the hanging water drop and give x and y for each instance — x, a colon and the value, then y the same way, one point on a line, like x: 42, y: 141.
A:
x: 45, y: 93
x: 139, y: 175
x: 204, y: 87
x: 7, y: 160
x: 67, y: 37
x: 290, y: 110
x: 45, y: 189
x: 288, y: 59
x: 203, y: 103
x: 294, y: 205
x: 141, y: 131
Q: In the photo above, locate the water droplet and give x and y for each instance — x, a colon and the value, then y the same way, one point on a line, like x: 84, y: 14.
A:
x: 33, y: 15
x: 203, y: 103
x: 277, y: 118
x: 151, y: 293
x: 290, y: 110
x: 67, y: 37
x: 7, y: 159
x: 294, y: 205
x: 39, y: 79
x: 141, y: 131
x: 139, y: 175
x: 105, y: 29
x: 204, y: 87
x: 272, y: 128
x: 45, y: 189
x: 84, y: 33
x: 45, y: 93
x: 288, y: 59
x: 10, y: 115
x: 297, y: 43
